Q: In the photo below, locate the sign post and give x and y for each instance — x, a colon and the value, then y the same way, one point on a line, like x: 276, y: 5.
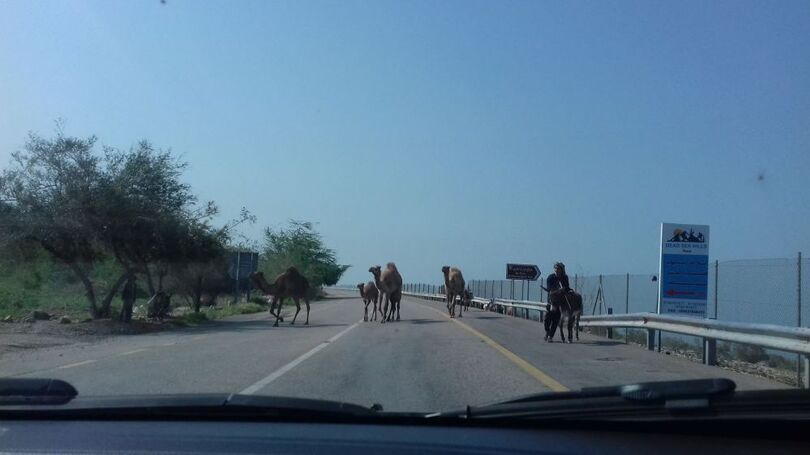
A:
x: 522, y: 272
x: 683, y: 270
x: 242, y: 265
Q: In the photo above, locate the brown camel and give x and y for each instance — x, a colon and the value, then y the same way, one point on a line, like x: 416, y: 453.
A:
x: 369, y: 294
x: 288, y: 284
x: 389, y: 283
x: 454, y: 286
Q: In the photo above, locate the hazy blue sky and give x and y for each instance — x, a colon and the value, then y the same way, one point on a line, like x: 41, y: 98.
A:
x: 467, y: 133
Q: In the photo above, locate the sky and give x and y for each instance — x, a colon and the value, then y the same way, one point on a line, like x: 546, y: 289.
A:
x: 468, y: 133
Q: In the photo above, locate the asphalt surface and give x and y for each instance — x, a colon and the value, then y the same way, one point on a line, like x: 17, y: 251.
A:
x: 423, y: 362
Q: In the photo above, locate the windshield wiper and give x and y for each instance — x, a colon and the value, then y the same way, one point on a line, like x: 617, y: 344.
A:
x: 671, y: 396
x: 23, y: 397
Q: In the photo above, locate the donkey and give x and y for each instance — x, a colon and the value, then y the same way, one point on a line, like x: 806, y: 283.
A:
x: 569, y: 304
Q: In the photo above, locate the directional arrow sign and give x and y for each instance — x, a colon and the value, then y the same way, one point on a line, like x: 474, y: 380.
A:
x: 522, y: 272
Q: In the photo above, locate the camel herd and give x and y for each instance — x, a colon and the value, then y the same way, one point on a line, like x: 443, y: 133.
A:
x: 385, y: 292
x: 387, y: 288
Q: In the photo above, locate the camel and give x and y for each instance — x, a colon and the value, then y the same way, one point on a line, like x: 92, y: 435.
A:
x: 288, y: 284
x: 454, y: 287
x: 389, y: 283
x: 569, y: 305
x: 369, y: 294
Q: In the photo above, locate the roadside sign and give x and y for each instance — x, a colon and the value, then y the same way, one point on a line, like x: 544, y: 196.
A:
x: 522, y: 272
x: 243, y: 262
x: 683, y: 269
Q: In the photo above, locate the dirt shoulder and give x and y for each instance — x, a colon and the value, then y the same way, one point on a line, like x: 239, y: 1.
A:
x: 43, y: 334
x: 18, y: 336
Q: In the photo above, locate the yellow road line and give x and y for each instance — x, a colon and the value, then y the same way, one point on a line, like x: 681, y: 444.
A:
x: 74, y: 364
x: 533, y: 371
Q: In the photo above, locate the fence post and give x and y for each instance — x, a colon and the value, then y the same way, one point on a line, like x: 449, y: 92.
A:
x: 806, y: 367
x: 799, y: 359
x: 650, y: 339
x: 627, y: 305
x: 710, y: 351
x: 610, y: 329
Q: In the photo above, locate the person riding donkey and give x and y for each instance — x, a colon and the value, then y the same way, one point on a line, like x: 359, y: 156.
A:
x: 557, y: 286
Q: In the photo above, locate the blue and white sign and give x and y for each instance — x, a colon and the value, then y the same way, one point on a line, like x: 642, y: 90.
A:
x: 684, y: 269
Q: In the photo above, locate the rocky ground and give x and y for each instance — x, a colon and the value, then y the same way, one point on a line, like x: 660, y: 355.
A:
x: 47, y: 333
x: 761, y: 369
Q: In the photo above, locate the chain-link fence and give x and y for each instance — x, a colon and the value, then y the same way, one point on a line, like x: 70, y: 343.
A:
x: 767, y: 291
x: 758, y: 291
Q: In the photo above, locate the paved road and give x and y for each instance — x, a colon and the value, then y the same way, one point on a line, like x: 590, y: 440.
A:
x: 423, y: 362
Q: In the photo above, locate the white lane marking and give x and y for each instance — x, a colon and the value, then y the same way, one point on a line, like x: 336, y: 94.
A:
x: 77, y: 364
x: 278, y: 373
x: 132, y: 352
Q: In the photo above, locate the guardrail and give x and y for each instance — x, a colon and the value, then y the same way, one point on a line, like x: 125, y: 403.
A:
x: 788, y: 339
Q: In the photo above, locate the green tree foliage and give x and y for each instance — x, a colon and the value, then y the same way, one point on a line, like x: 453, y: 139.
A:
x: 299, y: 245
x: 51, y: 192
x: 130, y: 207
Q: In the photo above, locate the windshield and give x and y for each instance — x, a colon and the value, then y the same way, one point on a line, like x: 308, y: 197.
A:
x: 421, y: 205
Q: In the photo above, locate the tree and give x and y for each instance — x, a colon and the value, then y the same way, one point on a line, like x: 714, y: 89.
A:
x: 148, y: 211
x: 50, y: 193
x: 301, y: 246
x: 205, y: 268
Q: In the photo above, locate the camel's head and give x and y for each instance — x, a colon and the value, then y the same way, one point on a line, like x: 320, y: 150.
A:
x: 256, y: 277
x: 375, y: 270
x: 360, y: 286
x: 446, y: 270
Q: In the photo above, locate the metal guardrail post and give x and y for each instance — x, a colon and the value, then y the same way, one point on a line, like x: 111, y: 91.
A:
x: 716, y: 283
x: 806, y: 367
x: 710, y: 351
x: 610, y: 329
x: 650, y: 339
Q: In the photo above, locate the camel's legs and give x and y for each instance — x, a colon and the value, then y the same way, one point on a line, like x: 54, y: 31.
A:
x: 393, y: 310
x: 365, y: 310
x: 297, y: 309
x: 400, y: 298
x: 461, y: 306
x: 306, y: 302
x: 374, y: 316
x: 278, y: 314
x: 385, y: 310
